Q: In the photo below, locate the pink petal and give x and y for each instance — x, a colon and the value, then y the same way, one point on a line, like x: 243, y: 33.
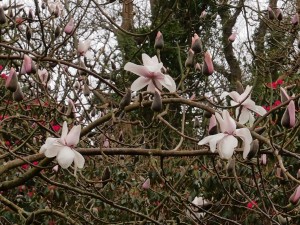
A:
x: 136, y: 69
x: 212, y: 140
x: 139, y: 83
x: 148, y: 61
x: 151, y: 87
x: 229, y: 125
x: 244, y: 116
x: 73, y: 136
x: 168, y: 83
x: 245, y: 94
x: 291, y: 109
x: 70, y: 26
x: 146, y: 185
x: 284, y: 95
x: 209, y: 63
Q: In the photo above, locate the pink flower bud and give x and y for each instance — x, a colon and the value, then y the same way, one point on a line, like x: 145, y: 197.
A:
x: 196, y: 44
x: 294, y: 199
x: 232, y: 37
x: 70, y: 26
x: 159, y: 41
x: 18, y: 94
x: 271, y: 14
x: 295, y: 19
x: 263, y: 159
x: 27, y: 66
x: 197, y: 67
x: 208, y: 67
x: 278, y: 14
x: 146, y: 185
x: 189, y: 62
x: 11, y: 82
x: 126, y: 99
x: 203, y: 14
x: 157, y: 103
x: 288, y: 119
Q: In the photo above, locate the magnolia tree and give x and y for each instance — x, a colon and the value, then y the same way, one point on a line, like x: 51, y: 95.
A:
x: 149, y: 112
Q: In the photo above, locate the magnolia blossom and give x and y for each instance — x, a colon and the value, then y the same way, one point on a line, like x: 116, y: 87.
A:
x: 63, y: 148
x: 200, y: 202
x: 226, y: 141
x: 150, y: 75
x: 28, y: 65
x: 83, y: 47
x: 146, y: 185
x: 56, y: 8
x: 232, y: 37
x: 247, y: 104
x: 288, y: 119
x: 70, y: 26
x: 43, y: 75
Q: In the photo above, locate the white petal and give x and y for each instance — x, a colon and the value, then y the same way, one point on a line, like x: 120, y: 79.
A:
x: 65, y: 157
x: 168, y: 83
x: 148, y: 61
x: 235, y: 96
x: 136, y: 69
x: 72, y: 138
x: 140, y: 83
x: 151, y: 87
x: 224, y: 94
x: 244, y: 116
x: 251, y: 119
x: 51, y: 147
x: 64, y: 131
x: 78, y: 160
x: 226, y: 146
x: 155, y: 67
x: 245, y: 94
x: 229, y: 123
x: 212, y: 140
x: 257, y: 109
x: 245, y: 135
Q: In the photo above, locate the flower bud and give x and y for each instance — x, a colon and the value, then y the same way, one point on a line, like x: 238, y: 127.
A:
x: 11, y: 82
x: 230, y: 167
x: 57, y: 32
x: 28, y: 33
x: 196, y: 44
x: 284, y: 95
x: 81, y: 64
x: 278, y: 14
x: 196, y: 122
x: 239, y: 88
x: 43, y: 75
x: 70, y: 26
x: 271, y: 14
x: 254, y: 147
x: 18, y: 94
x: 2, y: 16
x: 159, y: 41
x: 294, y: 199
x: 126, y: 99
x: 105, y: 176
x: 157, y: 103
x: 189, y: 62
x: 288, y: 119
x: 263, y: 159
x: 197, y: 67
x: 212, y: 128
x: 208, y: 67
x: 86, y: 90
x: 295, y: 19
x: 146, y: 185
x: 232, y: 37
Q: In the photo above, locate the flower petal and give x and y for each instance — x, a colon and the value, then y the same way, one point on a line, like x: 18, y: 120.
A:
x: 51, y: 147
x: 245, y: 135
x: 212, y: 140
x: 168, y: 83
x: 229, y: 125
x: 73, y: 136
x: 136, y: 69
x: 255, y: 108
x: 245, y: 94
x: 226, y: 146
x: 151, y: 87
x: 139, y: 83
x: 148, y: 61
x: 235, y: 96
x: 78, y: 160
x: 65, y: 157
x: 244, y: 116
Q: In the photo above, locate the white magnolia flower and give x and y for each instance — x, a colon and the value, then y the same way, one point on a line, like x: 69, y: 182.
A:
x: 63, y: 148
x: 150, y: 74
x: 83, y: 47
x: 226, y: 141
x: 247, y: 105
x: 200, y: 202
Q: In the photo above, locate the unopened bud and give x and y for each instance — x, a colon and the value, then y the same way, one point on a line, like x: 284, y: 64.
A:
x: 254, y: 147
x: 288, y: 119
x: 12, y: 80
x: 86, y: 90
x: 212, y: 128
x: 239, y: 87
x: 263, y: 159
x: 295, y: 19
x: 196, y: 44
x: 70, y: 26
x: 294, y: 199
x: 208, y: 67
x: 230, y: 167
x: 159, y: 41
x: 57, y: 32
x: 157, y: 103
x: 271, y: 14
x: 125, y: 101
x: 189, y: 62
x: 81, y: 64
x: 2, y: 16
x: 278, y: 14
x: 18, y: 94
x: 146, y: 185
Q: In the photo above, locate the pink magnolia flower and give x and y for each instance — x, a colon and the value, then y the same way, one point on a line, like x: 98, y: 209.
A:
x: 247, y: 105
x: 27, y: 65
x: 63, y: 148
x: 83, y: 47
x: 150, y: 75
x: 226, y: 141
x: 43, y: 75
x: 11, y: 82
x: 70, y: 26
